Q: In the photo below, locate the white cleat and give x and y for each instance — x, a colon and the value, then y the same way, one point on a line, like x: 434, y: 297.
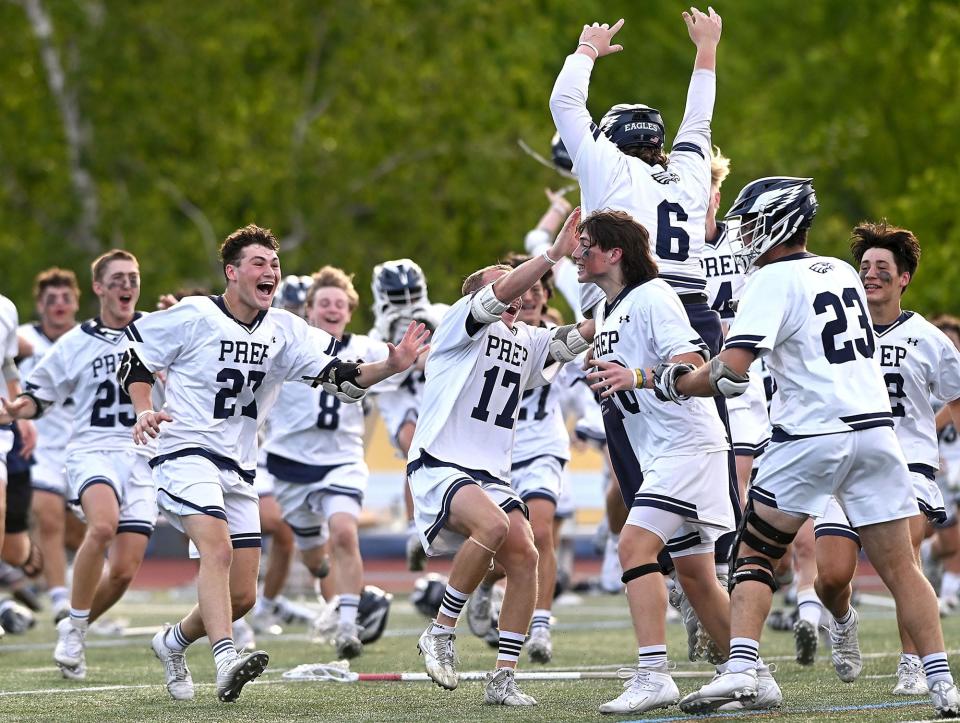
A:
x: 179, y: 680
x: 440, y: 658
x: 725, y: 688
x: 845, y: 649
x: 69, y: 652
x: 945, y: 699
x: 769, y: 695
x: 347, y: 640
x: 911, y: 679
x: 645, y: 689
x: 479, y: 611
x: 540, y: 646
x: 264, y: 622
x: 243, y: 636
x: 235, y: 675
x: 502, y: 689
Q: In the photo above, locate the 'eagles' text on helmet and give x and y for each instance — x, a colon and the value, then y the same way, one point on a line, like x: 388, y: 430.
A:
x: 558, y: 151
x: 428, y: 594
x: 398, y: 284
x: 630, y: 126
x: 372, y: 613
x: 292, y: 294
x: 768, y: 212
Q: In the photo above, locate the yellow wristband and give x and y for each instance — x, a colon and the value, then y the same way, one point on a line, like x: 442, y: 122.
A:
x: 641, y: 378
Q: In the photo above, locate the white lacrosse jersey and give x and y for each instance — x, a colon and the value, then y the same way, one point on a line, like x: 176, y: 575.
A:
x: 312, y: 427
x: 56, y: 424
x: 223, y: 376
x: 476, y: 375
x: 809, y: 315
x: 541, y: 429
x: 9, y: 321
x: 726, y: 274
x: 80, y: 372
x: 671, y: 203
x: 644, y: 326
x: 918, y: 362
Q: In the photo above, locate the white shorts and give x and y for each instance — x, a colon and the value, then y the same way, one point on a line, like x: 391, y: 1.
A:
x: 308, y: 506
x: 864, y: 470
x: 685, y: 500
x: 194, y: 485
x: 6, y: 444
x: 433, y: 489
x: 749, y: 420
x: 49, y: 473
x: 127, y: 473
x: 538, y: 478
x: 929, y: 497
x: 263, y: 482
x: 566, y: 506
x: 834, y: 523
x: 589, y: 428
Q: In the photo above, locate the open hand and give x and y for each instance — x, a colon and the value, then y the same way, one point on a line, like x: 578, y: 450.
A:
x: 568, y: 238
x: 610, y: 378
x: 148, y: 426
x: 599, y: 36
x: 410, y: 347
x: 703, y: 29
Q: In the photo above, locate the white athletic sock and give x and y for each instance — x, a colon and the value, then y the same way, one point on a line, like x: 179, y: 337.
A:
x: 541, y: 619
x: 439, y: 629
x: 60, y: 596
x: 949, y: 586
x: 175, y: 640
x: 348, y: 608
x: 453, y: 602
x: 224, y: 653
x: 845, y: 619
x: 810, y: 606
x: 509, y: 646
x: 744, y: 655
x: 910, y: 658
x: 80, y: 618
x: 651, y: 656
x: 937, y: 668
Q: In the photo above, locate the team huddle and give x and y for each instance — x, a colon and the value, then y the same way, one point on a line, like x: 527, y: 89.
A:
x: 686, y: 324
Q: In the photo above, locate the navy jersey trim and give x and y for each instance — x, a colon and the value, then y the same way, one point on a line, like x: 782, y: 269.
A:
x: 209, y: 510
x: 288, y: 470
x: 687, y: 147
x: 251, y: 327
x: 881, y: 329
x: 684, y: 283
x: 831, y: 529
x: 219, y: 461
x: 794, y: 257
x: 610, y: 306
x: 478, y: 475
x: 527, y: 462
x: 925, y: 469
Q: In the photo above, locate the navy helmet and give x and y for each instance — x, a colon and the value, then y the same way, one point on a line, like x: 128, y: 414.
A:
x: 398, y: 284
x: 768, y: 212
x: 372, y: 613
x: 561, y: 158
x: 633, y: 126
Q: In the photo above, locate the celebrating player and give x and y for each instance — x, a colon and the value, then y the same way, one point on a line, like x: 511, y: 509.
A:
x: 678, y: 451
x: 238, y: 347
x: 460, y: 455
x: 108, y: 478
x: 918, y: 361
x: 57, y: 296
x: 832, y: 433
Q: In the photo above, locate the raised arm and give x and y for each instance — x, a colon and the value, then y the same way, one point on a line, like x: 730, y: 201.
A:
x: 701, y: 95
x: 568, y: 101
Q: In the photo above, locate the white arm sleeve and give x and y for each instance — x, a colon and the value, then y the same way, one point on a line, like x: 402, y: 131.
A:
x: 568, y: 102
x: 695, y: 126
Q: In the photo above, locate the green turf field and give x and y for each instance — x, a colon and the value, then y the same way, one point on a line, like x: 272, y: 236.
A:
x: 124, y: 680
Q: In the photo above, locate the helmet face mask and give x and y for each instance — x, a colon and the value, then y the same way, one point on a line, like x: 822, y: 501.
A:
x: 769, y: 212
x: 633, y: 125
x: 398, y: 286
x: 292, y: 294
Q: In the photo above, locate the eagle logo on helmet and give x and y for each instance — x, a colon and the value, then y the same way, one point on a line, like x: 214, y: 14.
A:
x: 768, y: 212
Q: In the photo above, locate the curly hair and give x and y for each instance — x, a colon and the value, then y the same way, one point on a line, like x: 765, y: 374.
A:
x: 898, y: 241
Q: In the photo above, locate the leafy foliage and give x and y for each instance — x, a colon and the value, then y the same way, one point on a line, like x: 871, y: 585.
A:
x: 372, y: 129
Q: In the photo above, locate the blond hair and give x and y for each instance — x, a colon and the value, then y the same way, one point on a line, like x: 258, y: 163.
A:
x: 331, y: 276
x: 474, y: 282
x: 719, y: 168
x: 99, y: 266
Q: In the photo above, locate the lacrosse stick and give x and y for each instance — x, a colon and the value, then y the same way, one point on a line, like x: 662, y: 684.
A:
x: 340, y: 673
x: 544, y: 162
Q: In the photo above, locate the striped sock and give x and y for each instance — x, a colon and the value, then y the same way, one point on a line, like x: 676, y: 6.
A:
x: 80, y: 618
x: 510, y: 645
x: 453, y: 602
x: 651, y: 656
x: 541, y: 619
x: 936, y: 667
x: 348, y: 608
x: 809, y: 606
x: 224, y: 653
x: 175, y: 640
x: 744, y: 654
x: 846, y: 618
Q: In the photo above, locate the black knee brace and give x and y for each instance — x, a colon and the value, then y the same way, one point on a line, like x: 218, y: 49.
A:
x: 323, y: 570
x: 634, y: 572
x: 771, y: 550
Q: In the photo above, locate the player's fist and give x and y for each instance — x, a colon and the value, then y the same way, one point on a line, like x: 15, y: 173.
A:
x: 665, y: 378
